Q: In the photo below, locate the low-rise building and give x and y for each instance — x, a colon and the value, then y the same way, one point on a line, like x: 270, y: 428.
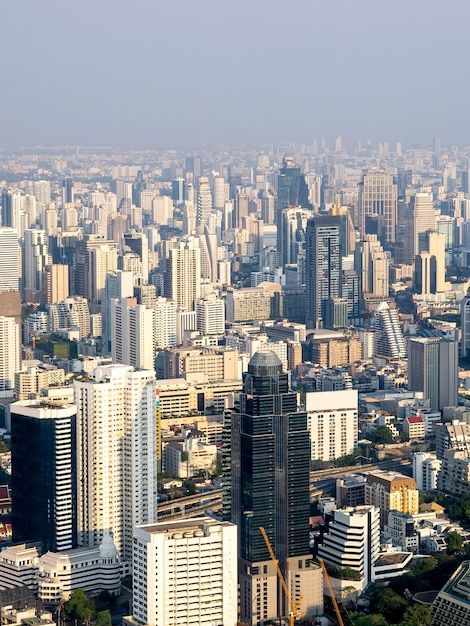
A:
x: 391, y: 491
x: 454, y: 476
x: 452, y: 604
x: 415, y: 427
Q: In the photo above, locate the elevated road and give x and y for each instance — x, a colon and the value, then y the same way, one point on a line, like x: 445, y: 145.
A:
x: 322, y: 482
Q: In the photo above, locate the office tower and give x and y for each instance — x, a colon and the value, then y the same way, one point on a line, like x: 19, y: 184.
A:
x: 193, y: 165
x: 35, y: 258
x: 219, y: 192
x: 391, y: 491
x: 424, y: 274
x: 465, y: 327
x: 434, y: 243
x: 183, y: 273
x: 241, y: 209
x: 333, y: 423
x: 266, y: 475
x: 292, y: 188
x: 138, y: 243
x: 210, y: 315
x: 69, y: 217
x: 291, y: 233
x: 138, y: 188
x: 372, y: 266
x: 55, y: 287
x: 118, y: 284
x: 336, y: 313
x: 388, y: 336
x: 70, y: 313
x: 116, y: 433
x: 353, y: 540
x: 351, y: 293
x: 123, y: 194
x: 49, y: 220
x: 10, y: 353
x: 11, y: 209
x: 67, y: 191
x: 165, y: 324
x: 420, y: 218
x: 42, y: 191
x: 94, y: 258
x: 208, y: 248
x: 132, y: 333
x: 177, y: 191
x: 185, y: 572
x: 323, y: 267
x: 9, y: 260
x: 29, y: 206
x: 203, y: 201
x: 433, y: 369
x: 465, y: 186
x: 162, y: 210
x: 44, y: 474
x: 268, y: 214
x: 378, y: 205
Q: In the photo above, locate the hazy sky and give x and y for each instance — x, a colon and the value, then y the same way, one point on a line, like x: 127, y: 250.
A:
x: 156, y: 73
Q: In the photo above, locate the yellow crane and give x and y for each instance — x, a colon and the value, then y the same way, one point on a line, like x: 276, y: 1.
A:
x: 294, y: 611
x: 333, y: 598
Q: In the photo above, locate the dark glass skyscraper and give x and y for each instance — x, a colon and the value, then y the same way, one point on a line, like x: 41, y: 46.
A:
x: 267, y: 463
x: 322, y: 267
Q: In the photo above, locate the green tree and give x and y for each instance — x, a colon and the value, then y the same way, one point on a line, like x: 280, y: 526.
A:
x: 368, y: 620
x: 382, y: 434
x: 79, y: 608
x: 454, y: 542
x: 417, y: 615
x: 103, y: 619
x: 390, y: 605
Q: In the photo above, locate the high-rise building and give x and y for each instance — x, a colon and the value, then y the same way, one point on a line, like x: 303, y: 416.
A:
x: 132, y: 333
x: 55, y: 287
x: 378, y: 205
x: 465, y: 326
x: 165, y: 323
x: 433, y: 369
x: 203, y: 201
x: 183, y: 275
x: 9, y: 259
x: 421, y: 217
x: 388, y: 336
x: 323, y: 267
x: 208, y: 248
x: 291, y: 233
x: 116, y: 454
x: 42, y: 191
x: 292, y: 189
x: 70, y: 313
x: 333, y: 423
x: 10, y: 352
x: 118, y: 284
x: 185, y: 572
x: 266, y: 470
x: 353, y: 540
x: 210, y: 315
x: 391, y: 491
x: 138, y: 243
x: 372, y: 263
x: 43, y: 436
x: 11, y: 209
x: 35, y: 259
x: 94, y: 258
x: 67, y: 191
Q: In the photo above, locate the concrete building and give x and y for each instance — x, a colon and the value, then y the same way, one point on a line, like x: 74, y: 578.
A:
x: 185, y: 572
x: 391, y: 490
x: 371, y: 264
x: 388, y: 336
x: 35, y: 259
x: 55, y: 284
x: 331, y: 348
x: 117, y: 440
x: 353, y: 540
x: 333, y: 423
x: 212, y: 363
x: 183, y: 273
x: 94, y: 258
x: 132, y: 333
x: 71, y: 313
x: 165, y: 335
x: 252, y: 303
x: 10, y: 353
x: 377, y: 205
x: 454, y: 476
x: 452, y: 604
x: 426, y: 468
x: 415, y: 427
x: 452, y: 436
x: 30, y: 381
x: 9, y: 259
x: 210, y: 315
x: 465, y: 326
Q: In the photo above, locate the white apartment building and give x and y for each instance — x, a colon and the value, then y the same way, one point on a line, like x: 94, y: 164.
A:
x: 210, y: 316
x: 164, y: 324
x: 333, y: 423
x: 9, y: 259
x: 426, y: 467
x: 10, y: 352
x: 185, y: 572
x: 116, y: 454
x: 132, y: 333
x: 353, y: 540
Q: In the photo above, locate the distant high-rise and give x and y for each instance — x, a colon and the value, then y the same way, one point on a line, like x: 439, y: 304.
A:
x: 388, y: 336
x: 291, y: 233
x: 323, y: 267
x: 9, y: 257
x: 194, y: 166
x: 210, y: 315
x: 10, y: 352
x: 55, y: 287
x: 433, y: 369
x: 44, y: 502
x: 35, y: 259
x: 94, y: 258
x: 465, y: 327
x: 203, y: 201
x: 67, y: 191
x: 371, y: 263
x: 423, y: 218
x: 11, y: 209
x: 116, y: 454
x: 118, y: 284
x: 378, y: 205
x: 132, y: 333
x: 183, y: 275
x: 266, y: 465
x: 292, y: 189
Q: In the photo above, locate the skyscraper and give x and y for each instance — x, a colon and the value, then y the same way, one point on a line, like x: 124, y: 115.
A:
x: 388, y: 336
x: 9, y: 255
x: 94, y: 257
x: 203, y: 201
x: 291, y: 233
x: 433, y: 369
x: 421, y: 217
x: 35, y: 259
x: 266, y: 466
x: 323, y: 267
x: 132, y: 333
x: 465, y: 327
x: 183, y: 275
x: 378, y: 205
x: 44, y: 474
x: 67, y: 191
x: 116, y: 454
x: 292, y: 188
x: 371, y: 263
x: 10, y: 352
x: 11, y: 208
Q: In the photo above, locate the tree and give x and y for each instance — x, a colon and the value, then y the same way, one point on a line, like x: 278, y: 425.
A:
x: 417, y: 615
x: 454, y: 542
x: 79, y: 608
x: 382, y: 434
x: 103, y: 619
x: 390, y: 605
x: 368, y: 620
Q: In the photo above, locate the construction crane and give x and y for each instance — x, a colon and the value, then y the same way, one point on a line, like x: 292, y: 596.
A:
x: 294, y: 607
x: 330, y: 588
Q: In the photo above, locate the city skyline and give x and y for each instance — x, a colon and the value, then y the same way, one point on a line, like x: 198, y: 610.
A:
x: 170, y: 74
